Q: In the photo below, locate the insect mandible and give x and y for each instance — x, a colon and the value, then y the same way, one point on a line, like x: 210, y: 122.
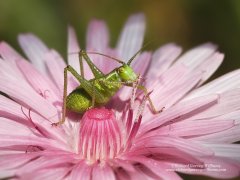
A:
x: 98, y: 91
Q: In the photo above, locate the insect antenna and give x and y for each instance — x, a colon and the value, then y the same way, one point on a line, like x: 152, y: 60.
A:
x: 101, y: 54
x: 110, y: 57
x: 133, y: 57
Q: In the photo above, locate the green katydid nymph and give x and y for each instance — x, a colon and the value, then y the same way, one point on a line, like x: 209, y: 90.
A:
x: 99, y: 90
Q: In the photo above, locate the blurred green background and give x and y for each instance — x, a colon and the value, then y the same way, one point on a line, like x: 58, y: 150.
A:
x: 186, y: 22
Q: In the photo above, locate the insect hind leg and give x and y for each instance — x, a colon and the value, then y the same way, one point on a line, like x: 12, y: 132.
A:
x: 85, y: 84
x: 95, y: 70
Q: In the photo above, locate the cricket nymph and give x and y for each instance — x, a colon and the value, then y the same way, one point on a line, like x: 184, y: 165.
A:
x: 79, y: 100
x: 99, y: 90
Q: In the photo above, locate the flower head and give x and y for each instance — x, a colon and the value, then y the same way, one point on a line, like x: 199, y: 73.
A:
x: 194, y: 134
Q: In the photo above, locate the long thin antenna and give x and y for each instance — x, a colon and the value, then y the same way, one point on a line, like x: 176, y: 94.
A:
x: 133, y: 57
x: 110, y: 57
x: 113, y: 58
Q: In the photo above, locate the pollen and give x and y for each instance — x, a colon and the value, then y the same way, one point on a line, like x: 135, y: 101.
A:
x: 100, y: 135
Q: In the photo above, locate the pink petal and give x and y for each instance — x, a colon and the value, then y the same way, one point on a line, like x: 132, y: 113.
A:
x: 55, y: 65
x: 141, y: 64
x: 11, y: 140
x: 9, y: 67
x: 47, y: 174
x: 158, y: 168
x: 46, y: 162
x: 131, y: 38
x: 140, y: 174
x: 81, y: 170
x: 8, y: 53
x: 202, y: 58
x: 97, y: 41
x: 229, y: 101
x: 35, y: 50
x: 14, y: 128
x: 168, y: 78
x: 197, y: 56
x: 28, y: 97
x: 73, y: 49
x: 103, y: 172
x: 167, y: 154
x: 123, y: 175
x: 233, y: 115
x: 10, y: 161
x: 14, y: 111
x: 125, y: 164
x: 6, y: 174
x: 228, y: 136
x: 10, y: 70
x: 224, y: 83
x: 187, y: 146
x: 73, y: 55
x: 195, y: 127
x: 166, y: 84
x: 97, y: 36
x: 225, y: 150
x: 161, y: 96
x: 180, y: 111
x: 162, y: 59
x: 39, y: 82
x: 217, y: 167
x: 210, y: 66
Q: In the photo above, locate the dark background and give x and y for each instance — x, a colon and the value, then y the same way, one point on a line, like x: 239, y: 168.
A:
x: 186, y: 22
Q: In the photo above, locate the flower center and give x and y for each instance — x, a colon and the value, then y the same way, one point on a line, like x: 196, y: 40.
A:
x: 100, y: 136
x: 99, y: 114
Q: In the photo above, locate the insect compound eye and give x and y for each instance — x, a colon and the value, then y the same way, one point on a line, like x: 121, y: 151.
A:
x: 120, y: 70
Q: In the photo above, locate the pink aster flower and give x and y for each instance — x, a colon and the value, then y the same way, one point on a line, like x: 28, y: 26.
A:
x: 195, y: 133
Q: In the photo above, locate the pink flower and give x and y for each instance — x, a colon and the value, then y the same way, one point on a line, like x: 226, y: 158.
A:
x: 195, y: 133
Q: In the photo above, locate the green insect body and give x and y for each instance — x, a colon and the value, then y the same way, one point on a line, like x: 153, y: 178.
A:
x: 79, y: 100
x: 99, y: 90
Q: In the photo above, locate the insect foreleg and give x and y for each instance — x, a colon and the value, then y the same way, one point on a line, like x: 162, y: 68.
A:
x: 135, y: 84
x: 146, y: 93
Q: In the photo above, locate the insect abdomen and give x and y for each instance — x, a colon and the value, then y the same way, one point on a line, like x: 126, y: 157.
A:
x: 78, y: 101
